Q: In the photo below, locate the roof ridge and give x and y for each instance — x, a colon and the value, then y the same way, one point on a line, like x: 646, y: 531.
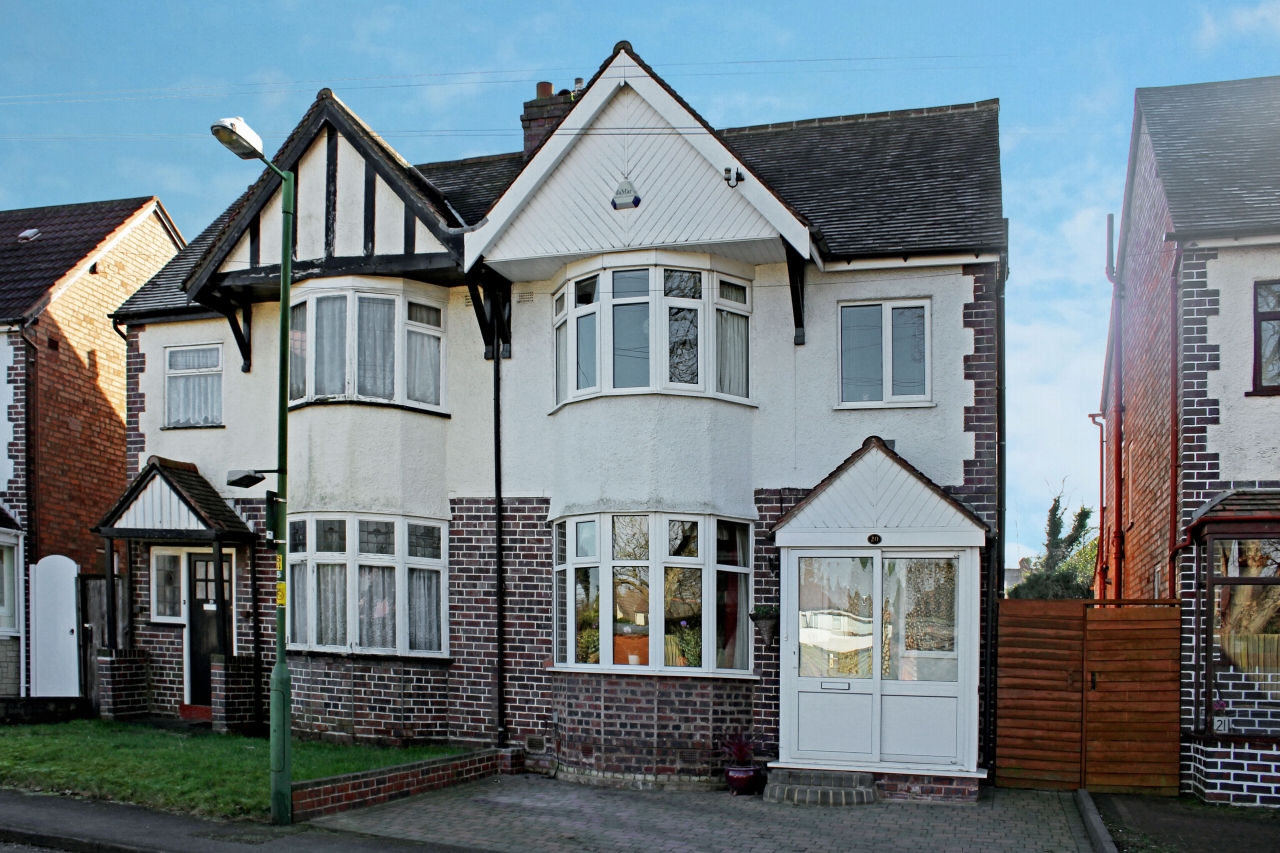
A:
x: 468, y: 161
x: 1204, y: 84
x: 853, y: 118
x: 138, y: 201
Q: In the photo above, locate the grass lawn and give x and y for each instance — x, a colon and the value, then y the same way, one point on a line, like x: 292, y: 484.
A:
x: 210, y: 774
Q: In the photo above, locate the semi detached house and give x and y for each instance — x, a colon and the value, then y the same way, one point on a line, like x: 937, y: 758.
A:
x: 563, y: 420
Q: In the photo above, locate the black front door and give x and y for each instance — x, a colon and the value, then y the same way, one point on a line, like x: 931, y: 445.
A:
x: 203, y: 621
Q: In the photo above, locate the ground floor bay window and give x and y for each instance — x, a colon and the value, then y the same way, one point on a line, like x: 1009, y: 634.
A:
x: 653, y: 591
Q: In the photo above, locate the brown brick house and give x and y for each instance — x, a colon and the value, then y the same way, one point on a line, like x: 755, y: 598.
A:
x: 63, y: 269
x: 1191, y: 397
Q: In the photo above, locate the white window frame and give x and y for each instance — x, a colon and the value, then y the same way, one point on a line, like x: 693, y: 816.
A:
x: 659, y: 331
x: 18, y: 590
x: 403, y: 326
x: 183, y: 553
x: 353, y: 558
x: 220, y: 370
x: 889, y: 400
x: 656, y: 564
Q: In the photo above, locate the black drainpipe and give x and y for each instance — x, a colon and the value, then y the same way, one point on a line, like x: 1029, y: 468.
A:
x: 494, y: 298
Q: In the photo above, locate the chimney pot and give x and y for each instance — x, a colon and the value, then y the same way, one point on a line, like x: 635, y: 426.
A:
x: 545, y: 90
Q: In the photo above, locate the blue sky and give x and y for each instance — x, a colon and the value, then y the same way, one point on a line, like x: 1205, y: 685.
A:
x: 114, y: 100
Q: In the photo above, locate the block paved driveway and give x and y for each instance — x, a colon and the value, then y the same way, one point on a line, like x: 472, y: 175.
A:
x: 534, y: 814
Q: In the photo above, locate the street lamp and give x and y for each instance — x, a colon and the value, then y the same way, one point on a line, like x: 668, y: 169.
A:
x: 240, y: 139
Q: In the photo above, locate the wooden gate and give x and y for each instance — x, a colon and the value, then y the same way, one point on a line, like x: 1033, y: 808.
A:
x: 1088, y: 696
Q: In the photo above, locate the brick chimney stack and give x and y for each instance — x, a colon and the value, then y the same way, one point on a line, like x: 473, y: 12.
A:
x: 543, y: 113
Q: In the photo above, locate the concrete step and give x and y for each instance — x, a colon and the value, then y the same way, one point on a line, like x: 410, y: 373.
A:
x: 820, y: 787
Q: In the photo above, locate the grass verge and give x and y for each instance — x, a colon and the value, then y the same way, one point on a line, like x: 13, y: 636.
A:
x: 199, y: 772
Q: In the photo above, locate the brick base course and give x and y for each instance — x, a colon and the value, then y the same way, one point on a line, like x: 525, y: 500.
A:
x: 1239, y: 773
x: 123, y: 683
x: 232, y: 690
x: 941, y: 789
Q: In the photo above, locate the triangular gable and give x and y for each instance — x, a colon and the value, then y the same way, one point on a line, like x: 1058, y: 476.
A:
x: 331, y: 138
x: 875, y: 492
x: 172, y: 500
x: 659, y: 125
x: 158, y: 506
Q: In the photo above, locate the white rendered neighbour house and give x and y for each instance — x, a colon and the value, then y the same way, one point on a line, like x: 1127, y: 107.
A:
x: 668, y: 336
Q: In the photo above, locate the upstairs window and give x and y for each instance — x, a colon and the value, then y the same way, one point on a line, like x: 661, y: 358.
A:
x: 652, y: 329
x: 193, y: 386
x: 884, y: 353
x: 1266, y: 337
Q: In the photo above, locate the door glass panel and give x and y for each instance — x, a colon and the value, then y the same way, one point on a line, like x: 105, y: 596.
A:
x: 631, y: 615
x: 836, y: 615
x: 682, y: 611
x: 918, y: 641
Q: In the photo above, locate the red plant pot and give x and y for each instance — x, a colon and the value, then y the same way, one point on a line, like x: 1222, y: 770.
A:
x: 742, y: 780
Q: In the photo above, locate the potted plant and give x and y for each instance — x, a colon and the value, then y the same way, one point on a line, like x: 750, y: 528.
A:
x: 741, y: 772
x: 766, y: 618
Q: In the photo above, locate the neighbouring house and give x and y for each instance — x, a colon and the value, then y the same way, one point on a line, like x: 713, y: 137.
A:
x: 63, y: 270
x: 1191, y: 397
x: 720, y: 369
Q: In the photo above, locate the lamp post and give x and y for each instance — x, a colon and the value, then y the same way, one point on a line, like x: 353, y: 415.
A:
x: 244, y: 143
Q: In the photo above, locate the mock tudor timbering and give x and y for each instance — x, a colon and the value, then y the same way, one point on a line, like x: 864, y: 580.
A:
x: 659, y: 410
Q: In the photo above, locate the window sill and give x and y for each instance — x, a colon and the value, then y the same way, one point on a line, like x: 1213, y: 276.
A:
x: 166, y: 623
x: 913, y: 404
x: 382, y: 654
x: 664, y: 392
x: 346, y: 401
x: 200, y: 426
x: 1264, y: 391
x: 742, y: 675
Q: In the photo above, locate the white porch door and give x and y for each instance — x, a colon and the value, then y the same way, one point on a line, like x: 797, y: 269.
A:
x: 871, y: 665
x: 55, y: 654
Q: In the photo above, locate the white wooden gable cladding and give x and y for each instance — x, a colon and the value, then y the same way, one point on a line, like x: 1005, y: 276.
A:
x: 388, y: 223
x: 627, y: 125
x: 158, y: 507
x: 878, y: 495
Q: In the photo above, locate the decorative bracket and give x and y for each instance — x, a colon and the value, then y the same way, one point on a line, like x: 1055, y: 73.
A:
x: 795, y: 276
x: 243, y: 335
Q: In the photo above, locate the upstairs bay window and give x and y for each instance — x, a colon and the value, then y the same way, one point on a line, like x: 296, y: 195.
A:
x: 367, y: 346
x: 884, y: 353
x: 647, y: 329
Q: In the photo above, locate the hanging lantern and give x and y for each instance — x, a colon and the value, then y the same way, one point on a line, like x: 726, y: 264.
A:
x: 625, y: 196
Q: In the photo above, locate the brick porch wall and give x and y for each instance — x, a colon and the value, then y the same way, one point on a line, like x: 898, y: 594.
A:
x: 123, y: 676
x: 232, y: 692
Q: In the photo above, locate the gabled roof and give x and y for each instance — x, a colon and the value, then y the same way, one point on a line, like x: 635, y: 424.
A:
x: 1239, y: 506
x: 172, y: 500
x: 163, y: 295
x: 68, y: 234
x: 1217, y: 150
x: 7, y: 521
x: 474, y: 184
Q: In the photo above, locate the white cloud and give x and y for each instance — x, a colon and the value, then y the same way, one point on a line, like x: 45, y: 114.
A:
x: 1263, y: 19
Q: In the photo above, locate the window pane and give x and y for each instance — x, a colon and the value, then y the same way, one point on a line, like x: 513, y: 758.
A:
x: 733, y: 292
x: 297, y: 536
x: 682, y: 341
x: 586, y: 539
x: 377, y: 607
x: 631, y: 537
x: 331, y: 346
x: 562, y: 362
x: 1268, y: 296
x: 1246, y: 558
x: 331, y: 604
x: 585, y: 292
x: 630, y: 283
x: 682, y: 284
x: 682, y: 617
x: 376, y: 348
x: 562, y: 545
x: 631, y: 345
x: 732, y: 353
x: 205, y: 358
x: 559, y: 306
x: 733, y: 627
x: 587, y: 351
x: 733, y: 543
x: 682, y: 538
x: 424, y: 541
x: 8, y: 589
x: 298, y: 351
x: 422, y: 382
x: 331, y: 535
x: 631, y: 615
x: 377, y: 537
x: 861, y: 354
x: 836, y: 600
x: 1269, y: 352
x: 168, y: 585
x: 918, y: 620
x: 424, y: 610
x: 298, y: 603
x: 562, y: 616
x: 427, y: 315
x: 908, y: 351
x: 1246, y: 635
x: 194, y: 400
x: 586, y: 595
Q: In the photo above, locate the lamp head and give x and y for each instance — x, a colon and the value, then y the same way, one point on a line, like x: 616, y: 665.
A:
x: 244, y: 479
x: 238, y: 137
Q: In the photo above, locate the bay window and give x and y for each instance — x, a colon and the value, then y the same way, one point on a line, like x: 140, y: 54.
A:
x: 884, y: 353
x: 372, y: 584
x: 650, y: 329
x: 666, y: 592
x: 374, y: 347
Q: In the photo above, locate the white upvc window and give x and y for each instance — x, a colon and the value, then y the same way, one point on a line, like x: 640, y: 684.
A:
x: 368, y: 583
x: 885, y: 353
x: 653, y: 591
x: 367, y: 346
x: 9, y: 590
x: 652, y: 328
x: 193, y: 386
x: 171, y: 586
